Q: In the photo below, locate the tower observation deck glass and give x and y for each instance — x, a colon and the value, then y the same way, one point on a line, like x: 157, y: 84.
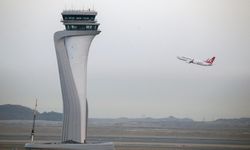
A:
x: 80, y: 20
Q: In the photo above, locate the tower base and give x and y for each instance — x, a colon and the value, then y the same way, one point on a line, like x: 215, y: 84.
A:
x: 56, y: 146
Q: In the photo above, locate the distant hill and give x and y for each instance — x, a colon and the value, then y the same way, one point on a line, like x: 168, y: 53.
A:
x: 240, y: 122
x: 15, y: 112
x: 18, y: 112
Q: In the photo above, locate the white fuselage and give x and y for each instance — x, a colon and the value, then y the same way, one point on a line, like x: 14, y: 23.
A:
x: 194, y: 61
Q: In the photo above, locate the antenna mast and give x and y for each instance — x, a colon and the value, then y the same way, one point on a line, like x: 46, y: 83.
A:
x: 34, y: 121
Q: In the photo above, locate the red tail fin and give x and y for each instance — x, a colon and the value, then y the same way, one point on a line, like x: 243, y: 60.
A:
x: 210, y: 61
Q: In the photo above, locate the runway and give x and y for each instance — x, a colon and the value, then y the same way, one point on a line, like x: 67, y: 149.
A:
x: 170, y: 140
x: 140, y: 139
x: 15, y: 135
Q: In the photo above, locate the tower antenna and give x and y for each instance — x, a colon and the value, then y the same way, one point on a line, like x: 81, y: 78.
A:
x: 34, y: 121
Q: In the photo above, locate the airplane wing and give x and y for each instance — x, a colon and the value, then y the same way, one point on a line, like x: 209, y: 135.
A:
x: 186, y: 59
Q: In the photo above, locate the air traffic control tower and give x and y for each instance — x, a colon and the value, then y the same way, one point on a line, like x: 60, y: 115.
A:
x: 72, y: 48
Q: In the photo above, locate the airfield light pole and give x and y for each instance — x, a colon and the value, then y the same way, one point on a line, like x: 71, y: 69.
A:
x: 34, y: 121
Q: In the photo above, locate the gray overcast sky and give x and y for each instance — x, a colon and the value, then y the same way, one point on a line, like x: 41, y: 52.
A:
x: 132, y: 68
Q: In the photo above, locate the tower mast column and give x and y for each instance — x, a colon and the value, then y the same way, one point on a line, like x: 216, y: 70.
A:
x: 72, y: 48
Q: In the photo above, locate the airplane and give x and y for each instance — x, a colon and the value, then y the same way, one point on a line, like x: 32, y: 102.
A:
x: 208, y: 62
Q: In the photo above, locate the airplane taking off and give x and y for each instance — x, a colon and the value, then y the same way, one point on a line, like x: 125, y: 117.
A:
x: 208, y: 62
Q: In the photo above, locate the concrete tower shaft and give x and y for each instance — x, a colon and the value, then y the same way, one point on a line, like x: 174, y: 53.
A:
x: 72, y: 48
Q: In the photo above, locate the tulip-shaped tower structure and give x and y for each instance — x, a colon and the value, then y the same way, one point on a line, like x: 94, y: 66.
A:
x: 72, y: 48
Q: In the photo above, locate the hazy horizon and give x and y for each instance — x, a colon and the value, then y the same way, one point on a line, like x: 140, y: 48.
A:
x: 132, y: 66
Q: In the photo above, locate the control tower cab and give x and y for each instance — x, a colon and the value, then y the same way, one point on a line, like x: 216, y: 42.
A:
x: 80, y: 20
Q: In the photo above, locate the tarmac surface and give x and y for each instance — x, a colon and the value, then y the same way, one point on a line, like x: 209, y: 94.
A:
x: 140, y: 139
x: 13, y: 136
